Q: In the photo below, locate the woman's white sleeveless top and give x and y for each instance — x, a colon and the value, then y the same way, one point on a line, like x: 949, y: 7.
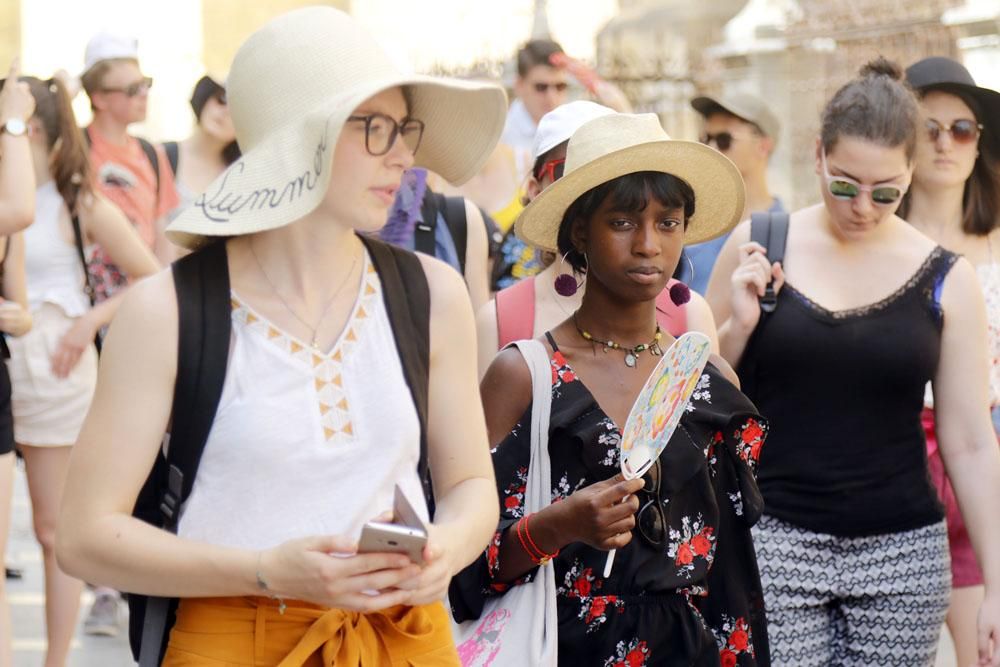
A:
x: 52, y: 265
x: 307, y: 443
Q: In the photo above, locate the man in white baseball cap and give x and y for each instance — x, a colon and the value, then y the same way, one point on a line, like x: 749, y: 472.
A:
x: 131, y: 172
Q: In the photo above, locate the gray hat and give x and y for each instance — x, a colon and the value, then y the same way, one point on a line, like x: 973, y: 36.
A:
x: 742, y: 105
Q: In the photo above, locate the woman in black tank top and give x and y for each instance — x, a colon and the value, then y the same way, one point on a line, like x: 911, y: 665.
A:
x: 853, y: 547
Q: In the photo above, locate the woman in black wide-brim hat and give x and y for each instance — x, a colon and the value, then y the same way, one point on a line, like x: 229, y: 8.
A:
x: 955, y: 200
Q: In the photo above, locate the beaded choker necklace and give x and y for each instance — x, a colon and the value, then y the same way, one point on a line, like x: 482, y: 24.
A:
x: 631, y: 353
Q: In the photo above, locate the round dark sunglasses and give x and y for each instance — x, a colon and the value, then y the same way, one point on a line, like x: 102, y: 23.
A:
x: 722, y: 140
x: 963, y: 131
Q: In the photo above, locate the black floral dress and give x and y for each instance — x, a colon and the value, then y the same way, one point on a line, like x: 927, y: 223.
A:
x: 695, y: 599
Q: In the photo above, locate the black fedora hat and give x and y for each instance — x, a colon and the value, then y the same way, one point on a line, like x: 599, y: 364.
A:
x: 940, y: 73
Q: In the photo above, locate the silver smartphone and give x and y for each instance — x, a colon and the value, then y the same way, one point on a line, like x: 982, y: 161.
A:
x: 407, y: 534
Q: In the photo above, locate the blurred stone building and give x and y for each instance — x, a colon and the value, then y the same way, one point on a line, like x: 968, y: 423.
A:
x: 795, y: 54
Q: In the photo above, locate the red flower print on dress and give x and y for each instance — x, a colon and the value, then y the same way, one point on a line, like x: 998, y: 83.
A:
x: 734, y: 639
x: 749, y: 440
x: 579, y: 583
x: 634, y: 654
x: 561, y: 372
x: 595, y: 610
x: 694, y: 542
x: 701, y: 543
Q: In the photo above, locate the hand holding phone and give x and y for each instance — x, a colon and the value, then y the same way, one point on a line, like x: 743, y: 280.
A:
x: 406, y: 534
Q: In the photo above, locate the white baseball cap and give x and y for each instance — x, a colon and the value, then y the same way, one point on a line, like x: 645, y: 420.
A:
x: 561, y: 123
x: 107, y: 45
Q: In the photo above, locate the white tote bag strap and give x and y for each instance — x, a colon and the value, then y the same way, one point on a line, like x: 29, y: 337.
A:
x: 544, y: 636
x: 538, y: 493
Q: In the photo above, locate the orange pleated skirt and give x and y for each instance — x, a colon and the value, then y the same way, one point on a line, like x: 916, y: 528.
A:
x: 250, y: 631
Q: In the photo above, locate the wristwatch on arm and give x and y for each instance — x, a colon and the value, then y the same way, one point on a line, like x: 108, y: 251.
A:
x: 15, y: 127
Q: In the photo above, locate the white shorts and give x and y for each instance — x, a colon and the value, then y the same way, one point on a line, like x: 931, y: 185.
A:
x: 48, y: 411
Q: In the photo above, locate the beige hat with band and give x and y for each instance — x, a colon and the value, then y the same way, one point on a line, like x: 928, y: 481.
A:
x: 292, y: 85
x: 619, y: 144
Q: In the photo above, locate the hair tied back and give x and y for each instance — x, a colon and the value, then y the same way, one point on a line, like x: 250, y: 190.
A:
x: 882, y: 66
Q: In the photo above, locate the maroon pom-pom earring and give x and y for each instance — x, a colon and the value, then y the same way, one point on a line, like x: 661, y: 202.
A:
x: 565, y: 283
x: 680, y: 293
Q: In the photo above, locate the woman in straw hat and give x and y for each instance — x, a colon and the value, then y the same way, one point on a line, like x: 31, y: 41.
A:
x: 316, y: 424
x: 955, y: 200
x: 853, y: 546
x: 628, y: 201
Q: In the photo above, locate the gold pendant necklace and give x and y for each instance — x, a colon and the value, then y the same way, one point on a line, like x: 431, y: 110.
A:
x: 314, y: 343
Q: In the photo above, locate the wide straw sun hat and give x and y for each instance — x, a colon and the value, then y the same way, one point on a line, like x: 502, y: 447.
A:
x: 290, y: 89
x: 619, y: 144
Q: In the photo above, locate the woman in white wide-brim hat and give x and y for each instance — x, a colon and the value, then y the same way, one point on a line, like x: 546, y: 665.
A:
x: 684, y: 585
x: 316, y: 423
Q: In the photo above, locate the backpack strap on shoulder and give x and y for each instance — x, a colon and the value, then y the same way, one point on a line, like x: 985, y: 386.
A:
x: 204, y: 316
x: 154, y: 159
x: 515, y: 307
x: 771, y: 231
x: 407, y: 298
x: 205, y: 328
x: 172, y: 149
x: 453, y: 209
x: 424, y: 233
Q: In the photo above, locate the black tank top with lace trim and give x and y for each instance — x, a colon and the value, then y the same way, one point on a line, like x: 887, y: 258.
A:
x: 843, y: 392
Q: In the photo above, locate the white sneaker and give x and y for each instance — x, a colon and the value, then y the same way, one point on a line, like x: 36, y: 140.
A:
x: 104, y: 617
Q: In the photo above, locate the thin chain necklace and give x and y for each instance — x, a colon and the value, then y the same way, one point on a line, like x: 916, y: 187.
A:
x: 314, y: 329
x: 631, y: 353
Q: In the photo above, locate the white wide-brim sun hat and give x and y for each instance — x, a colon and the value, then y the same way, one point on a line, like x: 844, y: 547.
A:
x: 292, y: 85
x: 618, y: 144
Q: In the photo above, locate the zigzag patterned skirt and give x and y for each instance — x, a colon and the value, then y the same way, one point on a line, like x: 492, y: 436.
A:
x: 853, y: 601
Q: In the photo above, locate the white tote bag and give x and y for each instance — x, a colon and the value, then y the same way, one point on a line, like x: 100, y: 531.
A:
x: 520, y: 627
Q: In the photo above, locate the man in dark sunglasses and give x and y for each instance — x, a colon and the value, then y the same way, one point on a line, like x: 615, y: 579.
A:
x: 130, y: 171
x: 540, y: 87
x: 743, y: 128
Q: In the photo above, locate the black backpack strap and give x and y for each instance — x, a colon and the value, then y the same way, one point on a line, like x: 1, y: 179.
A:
x: 407, y: 299
x: 88, y: 286
x: 771, y: 231
x: 154, y: 159
x: 172, y: 149
x: 204, y: 315
x: 423, y: 233
x: 458, y: 224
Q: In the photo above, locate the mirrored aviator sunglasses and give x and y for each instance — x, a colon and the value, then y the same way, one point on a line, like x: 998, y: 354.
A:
x: 881, y: 194
x: 845, y: 188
